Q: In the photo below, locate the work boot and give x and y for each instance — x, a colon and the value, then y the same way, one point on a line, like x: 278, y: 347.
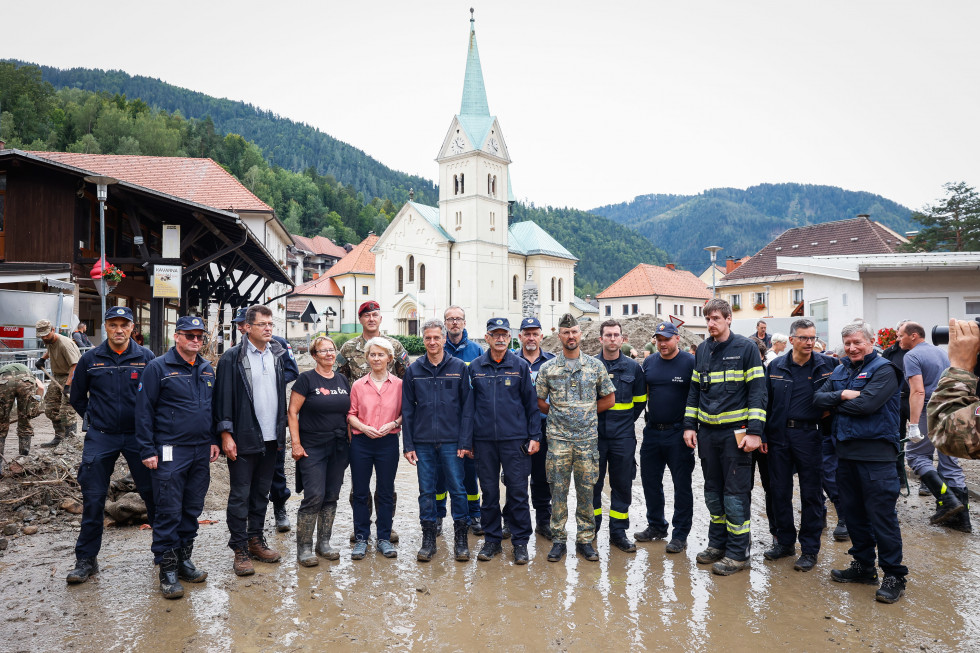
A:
x: 259, y: 550
x: 621, y: 542
x: 282, y: 519
x: 544, y: 530
x: 805, y: 562
x: 840, y: 531
x: 924, y: 490
x: 505, y: 531
x: 649, y: 534
x: 587, y: 551
x: 598, y: 525
x: 461, y: 541
x: 186, y: 569
x: 243, y: 563
x: 23, y: 444
x: 557, y: 552
x: 489, y: 550
x: 84, y: 569
x: 324, y: 529
x: 891, y: 590
x: 709, y: 556
x: 428, y: 548
x: 727, y: 566
x: 71, y: 429
x: 439, y: 527
x: 855, y: 573
x: 476, y: 527
x: 778, y: 551
x: 359, y: 550
x: 947, y: 505
x: 305, y: 523
x: 51, y: 444
x: 169, y: 582
x: 675, y: 546
x: 520, y: 554
x: 962, y: 520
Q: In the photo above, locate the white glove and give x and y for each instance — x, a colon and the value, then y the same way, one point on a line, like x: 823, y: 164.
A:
x: 914, y: 434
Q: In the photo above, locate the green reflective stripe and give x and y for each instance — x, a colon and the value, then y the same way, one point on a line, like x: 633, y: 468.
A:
x: 754, y: 373
x: 628, y: 406
x: 695, y: 376
x: 598, y: 512
x: 472, y: 497
x: 637, y: 400
x: 442, y: 497
x: 717, y: 519
x: 618, y: 515
x: 690, y: 411
x: 736, y: 529
x: 757, y: 413
x: 724, y: 418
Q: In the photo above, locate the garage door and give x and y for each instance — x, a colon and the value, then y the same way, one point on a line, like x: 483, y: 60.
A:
x: 927, y: 311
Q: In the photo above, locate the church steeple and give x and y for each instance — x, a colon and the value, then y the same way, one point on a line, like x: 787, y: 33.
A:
x: 474, y: 92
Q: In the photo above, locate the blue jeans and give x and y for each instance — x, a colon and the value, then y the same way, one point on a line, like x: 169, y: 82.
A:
x: 470, y: 478
x: 432, y: 458
x: 658, y: 450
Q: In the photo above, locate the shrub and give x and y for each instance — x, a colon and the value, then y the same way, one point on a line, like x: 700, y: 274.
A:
x: 412, y: 344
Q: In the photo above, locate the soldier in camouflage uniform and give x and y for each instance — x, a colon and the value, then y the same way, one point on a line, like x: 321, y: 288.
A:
x: 17, y: 384
x: 63, y: 355
x: 954, y: 409
x: 569, y: 388
x: 352, y: 363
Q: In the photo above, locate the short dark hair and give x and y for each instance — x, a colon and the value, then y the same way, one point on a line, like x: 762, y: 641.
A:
x: 801, y: 323
x: 760, y: 322
x: 717, y: 305
x: 610, y: 324
x: 254, y: 311
x: 914, y: 328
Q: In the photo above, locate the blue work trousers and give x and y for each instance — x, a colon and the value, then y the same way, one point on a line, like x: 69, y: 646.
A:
x: 666, y: 449
x: 727, y: 472
x: 98, y: 462
x: 868, y: 494
x: 829, y: 470
x: 618, y: 456
x: 431, y: 459
x: 179, y: 488
x: 379, y: 456
x: 802, y: 449
x: 491, y: 458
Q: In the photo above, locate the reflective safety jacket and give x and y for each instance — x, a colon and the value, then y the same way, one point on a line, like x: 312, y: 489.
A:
x: 631, y: 397
x: 728, y: 387
x: 104, y: 386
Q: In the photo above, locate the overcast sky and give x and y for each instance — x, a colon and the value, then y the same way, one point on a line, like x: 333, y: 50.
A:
x: 599, y: 101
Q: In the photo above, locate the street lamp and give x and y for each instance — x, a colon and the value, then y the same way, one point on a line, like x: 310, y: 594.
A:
x: 714, y: 249
x: 102, y: 192
x: 768, y: 307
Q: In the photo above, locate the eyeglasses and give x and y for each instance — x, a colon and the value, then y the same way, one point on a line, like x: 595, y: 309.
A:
x: 324, y: 352
x: 500, y: 336
x: 192, y: 336
x: 455, y: 319
x: 805, y: 338
x: 263, y: 325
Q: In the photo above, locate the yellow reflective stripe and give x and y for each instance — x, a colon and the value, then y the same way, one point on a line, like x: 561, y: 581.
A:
x: 598, y: 512
x: 716, y: 377
x: 757, y: 413
x: 442, y: 497
x: 690, y: 411
x: 695, y: 376
x: 754, y: 373
x: 717, y: 519
x: 637, y: 400
x: 628, y: 406
x: 734, y: 375
x: 737, y: 529
x: 472, y: 497
x: 618, y: 515
x: 723, y: 418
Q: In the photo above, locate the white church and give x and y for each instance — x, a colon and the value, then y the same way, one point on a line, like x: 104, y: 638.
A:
x: 463, y: 251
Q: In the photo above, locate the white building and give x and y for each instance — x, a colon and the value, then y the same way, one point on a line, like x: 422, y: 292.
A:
x: 663, y: 292
x: 463, y: 251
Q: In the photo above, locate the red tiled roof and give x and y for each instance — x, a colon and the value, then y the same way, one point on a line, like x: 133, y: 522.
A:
x: 319, y: 245
x: 322, y: 287
x: 196, y: 180
x: 646, y: 279
x: 359, y: 260
x: 853, y: 236
x: 296, y: 305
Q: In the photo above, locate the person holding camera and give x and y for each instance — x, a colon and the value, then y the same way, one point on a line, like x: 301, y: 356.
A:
x: 506, y: 432
x: 954, y: 409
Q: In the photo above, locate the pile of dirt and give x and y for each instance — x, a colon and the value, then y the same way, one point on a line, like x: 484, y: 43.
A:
x: 640, y: 330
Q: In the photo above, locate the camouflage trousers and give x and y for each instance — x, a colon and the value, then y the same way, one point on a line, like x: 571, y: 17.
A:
x: 565, y: 460
x: 19, y: 389
x: 56, y: 407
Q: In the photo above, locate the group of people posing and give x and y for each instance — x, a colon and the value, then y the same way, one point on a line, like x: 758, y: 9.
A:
x: 470, y: 420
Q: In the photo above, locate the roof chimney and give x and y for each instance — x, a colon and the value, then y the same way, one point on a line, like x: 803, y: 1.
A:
x: 730, y: 264
x: 671, y: 266
x: 864, y: 215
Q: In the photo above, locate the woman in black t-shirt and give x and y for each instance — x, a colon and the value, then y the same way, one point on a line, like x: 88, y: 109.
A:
x: 321, y: 448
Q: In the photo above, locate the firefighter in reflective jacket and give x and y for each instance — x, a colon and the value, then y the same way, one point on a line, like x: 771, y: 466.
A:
x: 726, y: 414
x: 617, y: 435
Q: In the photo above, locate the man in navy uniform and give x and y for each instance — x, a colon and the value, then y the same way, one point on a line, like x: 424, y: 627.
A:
x: 530, y: 337
x: 279, y: 492
x: 104, y: 390
x: 506, y: 432
x: 175, y: 439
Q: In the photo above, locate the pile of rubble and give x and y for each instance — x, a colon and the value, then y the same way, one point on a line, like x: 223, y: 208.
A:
x: 640, y: 330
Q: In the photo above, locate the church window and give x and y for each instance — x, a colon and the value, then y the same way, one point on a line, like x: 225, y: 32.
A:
x: 461, y: 188
x: 515, y: 288
x: 401, y: 279
x: 559, y: 290
x: 494, y: 193
x: 421, y: 276
x: 490, y: 185
x: 411, y: 269
x: 552, y: 289
x: 493, y: 221
x: 459, y: 220
x: 455, y: 184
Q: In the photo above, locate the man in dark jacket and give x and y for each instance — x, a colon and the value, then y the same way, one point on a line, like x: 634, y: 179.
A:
x: 250, y: 419
x: 863, y: 393
x: 795, y: 441
x: 506, y: 432
x: 437, y: 431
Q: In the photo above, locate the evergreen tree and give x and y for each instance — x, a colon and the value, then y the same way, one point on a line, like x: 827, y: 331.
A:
x: 952, y: 225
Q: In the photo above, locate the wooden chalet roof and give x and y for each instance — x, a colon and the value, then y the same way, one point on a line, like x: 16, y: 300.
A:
x: 646, y: 279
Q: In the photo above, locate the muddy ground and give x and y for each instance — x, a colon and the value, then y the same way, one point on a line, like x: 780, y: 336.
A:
x: 643, y: 601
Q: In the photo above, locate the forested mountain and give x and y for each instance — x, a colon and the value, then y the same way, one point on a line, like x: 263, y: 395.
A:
x: 744, y: 221
x: 285, y: 143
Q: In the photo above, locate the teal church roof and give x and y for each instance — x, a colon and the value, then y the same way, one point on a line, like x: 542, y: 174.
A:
x: 474, y: 112
x: 431, y: 215
x: 527, y: 238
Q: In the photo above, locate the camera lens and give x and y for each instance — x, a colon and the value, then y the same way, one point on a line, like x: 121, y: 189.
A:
x: 940, y: 335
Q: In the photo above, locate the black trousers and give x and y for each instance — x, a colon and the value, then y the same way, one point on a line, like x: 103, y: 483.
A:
x: 618, y: 455
x: 868, y: 494
x: 250, y: 476
x: 322, y: 472
x: 540, y: 488
x: 491, y: 457
x: 279, y: 491
x: 728, y: 481
x: 799, y: 448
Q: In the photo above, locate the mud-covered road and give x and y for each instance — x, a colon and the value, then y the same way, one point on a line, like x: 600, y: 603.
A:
x: 643, y: 601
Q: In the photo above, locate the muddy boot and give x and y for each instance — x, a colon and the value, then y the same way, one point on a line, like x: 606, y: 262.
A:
x: 727, y: 566
x: 54, y: 442
x: 23, y: 444
x: 962, y: 521
x: 462, y: 545
x: 840, y: 531
x: 243, y: 563
x: 709, y: 556
x: 855, y: 573
x: 428, y: 548
x: 947, y: 505
x: 71, y: 429
x: 186, y: 569
x: 305, y: 523
x: 282, y: 519
x: 259, y: 550
x: 84, y: 569
x: 169, y: 583
x: 324, y: 529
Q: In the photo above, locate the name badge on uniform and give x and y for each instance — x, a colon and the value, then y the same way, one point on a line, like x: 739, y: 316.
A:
x: 134, y: 375
x: 506, y: 381
x: 168, y: 453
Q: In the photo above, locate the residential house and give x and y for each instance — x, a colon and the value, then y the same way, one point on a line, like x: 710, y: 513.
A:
x: 309, y: 258
x: 354, y: 277
x: 326, y: 297
x: 662, y: 292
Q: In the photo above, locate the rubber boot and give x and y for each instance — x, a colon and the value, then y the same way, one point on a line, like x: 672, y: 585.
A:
x: 962, y: 521
x: 947, y: 505
x: 428, y: 548
x: 169, y: 583
x: 23, y: 443
x: 186, y: 569
x: 305, y: 523
x: 324, y: 529
x: 461, y: 529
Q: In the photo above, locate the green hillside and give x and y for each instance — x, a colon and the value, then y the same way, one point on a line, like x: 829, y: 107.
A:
x: 744, y: 221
